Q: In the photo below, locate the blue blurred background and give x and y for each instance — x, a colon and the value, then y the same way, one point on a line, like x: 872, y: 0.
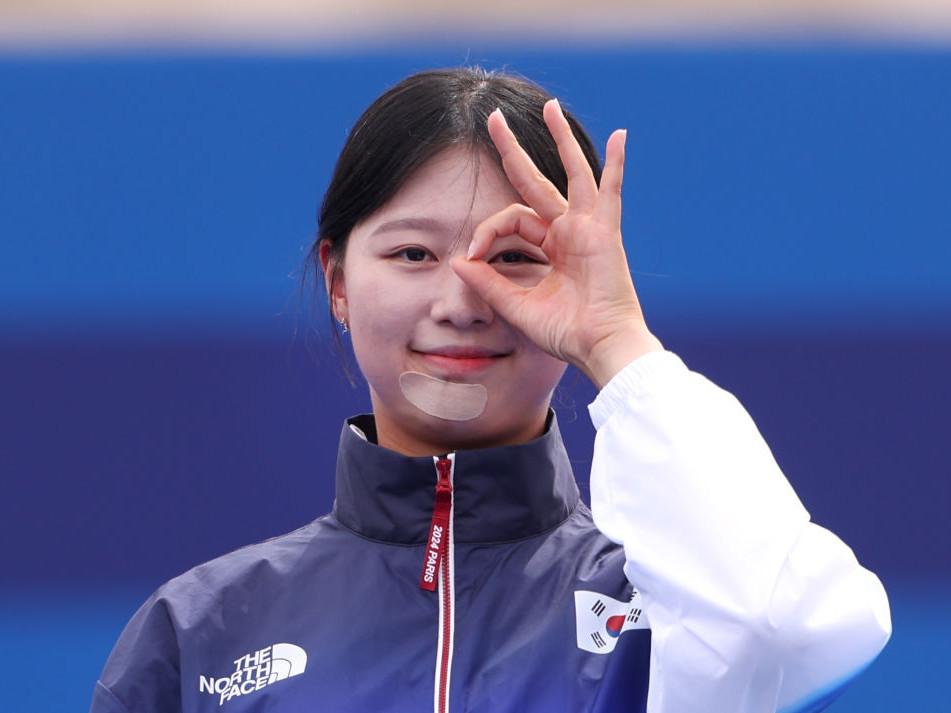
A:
x: 169, y: 393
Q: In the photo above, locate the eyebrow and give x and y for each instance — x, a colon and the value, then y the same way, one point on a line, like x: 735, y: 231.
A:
x: 426, y: 225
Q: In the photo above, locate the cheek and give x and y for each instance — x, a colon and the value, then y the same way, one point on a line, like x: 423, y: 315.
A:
x: 544, y: 372
x: 375, y: 301
x: 382, y: 320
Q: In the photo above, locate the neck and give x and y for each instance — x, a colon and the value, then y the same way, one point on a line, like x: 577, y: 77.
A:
x: 499, y: 494
x: 438, y: 436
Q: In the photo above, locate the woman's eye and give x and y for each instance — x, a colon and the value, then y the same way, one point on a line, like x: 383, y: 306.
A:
x: 412, y: 254
x: 512, y: 256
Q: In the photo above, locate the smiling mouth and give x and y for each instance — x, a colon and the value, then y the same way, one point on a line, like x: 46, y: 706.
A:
x: 460, y: 361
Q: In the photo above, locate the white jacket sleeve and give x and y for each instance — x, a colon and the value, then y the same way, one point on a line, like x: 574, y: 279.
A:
x: 752, y: 608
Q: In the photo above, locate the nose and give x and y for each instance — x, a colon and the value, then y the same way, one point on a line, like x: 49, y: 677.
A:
x: 457, y: 304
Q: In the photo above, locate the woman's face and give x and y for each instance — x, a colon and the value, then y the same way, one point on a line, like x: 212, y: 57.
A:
x: 409, y: 312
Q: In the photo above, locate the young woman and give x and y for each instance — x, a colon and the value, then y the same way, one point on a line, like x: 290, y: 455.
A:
x: 471, y: 247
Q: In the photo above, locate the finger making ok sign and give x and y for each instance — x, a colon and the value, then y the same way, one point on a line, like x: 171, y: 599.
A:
x: 585, y: 309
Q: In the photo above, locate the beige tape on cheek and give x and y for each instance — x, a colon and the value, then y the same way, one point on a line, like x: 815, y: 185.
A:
x: 443, y: 399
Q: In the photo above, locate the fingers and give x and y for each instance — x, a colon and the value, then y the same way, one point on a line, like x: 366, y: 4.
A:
x: 500, y: 293
x: 517, y: 220
x: 539, y: 193
x: 582, y: 188
x: 608, y: 207
x: 536, y: 190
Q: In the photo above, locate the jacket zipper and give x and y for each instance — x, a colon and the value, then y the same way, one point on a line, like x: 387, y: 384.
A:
x: 438, y: 572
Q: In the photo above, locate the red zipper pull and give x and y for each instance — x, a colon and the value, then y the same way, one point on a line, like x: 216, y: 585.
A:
x: 439, y: 530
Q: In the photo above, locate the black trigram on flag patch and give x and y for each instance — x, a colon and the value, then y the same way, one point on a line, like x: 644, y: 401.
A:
x: 600, y: 620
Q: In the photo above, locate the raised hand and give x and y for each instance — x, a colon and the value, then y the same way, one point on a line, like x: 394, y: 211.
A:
x: 585, y: 310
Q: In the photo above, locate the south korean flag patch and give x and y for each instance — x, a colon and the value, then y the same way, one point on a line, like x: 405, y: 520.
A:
x: 601, y: 620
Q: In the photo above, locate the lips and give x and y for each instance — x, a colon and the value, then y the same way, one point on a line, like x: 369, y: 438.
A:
x: 460, y: 360
x: 464, y: 352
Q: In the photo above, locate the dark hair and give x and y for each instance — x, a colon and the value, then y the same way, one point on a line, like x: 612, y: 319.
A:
x: 418, y: 118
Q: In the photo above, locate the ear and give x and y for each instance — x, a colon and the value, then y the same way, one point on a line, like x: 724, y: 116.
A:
x: 333, y: 279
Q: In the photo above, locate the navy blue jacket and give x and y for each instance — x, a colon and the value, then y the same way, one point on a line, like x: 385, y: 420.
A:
x: 345, y: 590
x: 752, y: 607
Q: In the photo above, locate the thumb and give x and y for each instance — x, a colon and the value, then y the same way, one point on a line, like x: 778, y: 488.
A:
x: 500, y: 293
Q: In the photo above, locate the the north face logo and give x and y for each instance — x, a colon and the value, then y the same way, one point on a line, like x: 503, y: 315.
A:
x: 601, y: 620
x: 255, y: 670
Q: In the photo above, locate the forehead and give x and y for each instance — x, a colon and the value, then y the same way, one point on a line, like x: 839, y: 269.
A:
x: 457, y: 184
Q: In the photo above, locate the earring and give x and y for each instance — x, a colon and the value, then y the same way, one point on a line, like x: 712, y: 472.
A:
x: 344, y: 326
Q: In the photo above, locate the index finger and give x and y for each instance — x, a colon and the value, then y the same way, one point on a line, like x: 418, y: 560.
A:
x: 537, y: 191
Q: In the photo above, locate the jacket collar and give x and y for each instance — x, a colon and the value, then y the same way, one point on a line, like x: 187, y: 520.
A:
x: 499, y: 494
